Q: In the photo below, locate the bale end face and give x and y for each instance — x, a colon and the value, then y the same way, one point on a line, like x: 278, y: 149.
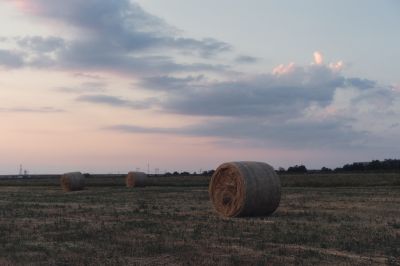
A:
x: 227, y: 190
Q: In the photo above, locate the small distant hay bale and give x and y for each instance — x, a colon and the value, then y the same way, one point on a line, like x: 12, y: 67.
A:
x: 245, y: 189
x: 72, y: 181
x: 136, y: 179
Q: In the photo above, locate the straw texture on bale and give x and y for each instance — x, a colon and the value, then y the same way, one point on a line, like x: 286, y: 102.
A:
x: 245, y: 189
x: 136, y: 179
x: 72, y: 181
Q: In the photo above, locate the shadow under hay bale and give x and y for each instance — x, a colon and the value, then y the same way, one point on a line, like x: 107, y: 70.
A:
x: 245, y: 189
x: 72, y: 181
x: 136, y: 179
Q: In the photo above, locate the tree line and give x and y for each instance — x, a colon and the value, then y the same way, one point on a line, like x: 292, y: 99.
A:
x: 389, y: 165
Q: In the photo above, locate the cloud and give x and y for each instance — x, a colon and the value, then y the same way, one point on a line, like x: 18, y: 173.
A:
x: 41, y: 44
x: 361, y: 83
x: 318, y: 58
x: 86, y: 87
x: 394, y: 125
x: 88, y: 76
x: 45, y: 109
x: 287, y: 91
x: 395, y: 88
x: 299, y: 107
x: 116, y: 36
x: 206, y: 47
x: 377, y: 98
x: 336, y: 66
x: 245, y: 59
x: 11, y: 59
x: 289, y: 134
x: 168, y: 83
x: 293, y: 106
x: 115, y: 101
x: 279, y: 94
x: 339, y: 125
x: 282, y: 69
x: 139, y: 129
x: 95, y: 56
x: 37, y: 52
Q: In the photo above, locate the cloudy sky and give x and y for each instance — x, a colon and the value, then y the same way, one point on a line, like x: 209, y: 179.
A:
x: 107, y: 86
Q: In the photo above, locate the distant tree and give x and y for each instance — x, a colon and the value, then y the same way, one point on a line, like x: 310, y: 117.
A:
x: 354, y: 167
x: 325, y: 169
x: 297, y: 169
x: 175, y: 173
x: 281, y: 170
x: 208, y: 173
x: 375, y: 165
x: 302, y: 169
x: 391, y: 164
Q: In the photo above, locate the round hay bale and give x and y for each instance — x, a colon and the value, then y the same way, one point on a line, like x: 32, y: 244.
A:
x: 72, y: 181
x: 245, y: 189
x: 136, y: 179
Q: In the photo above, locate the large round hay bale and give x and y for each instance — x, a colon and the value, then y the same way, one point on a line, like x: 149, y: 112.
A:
x: 136, y: 179
x: 245, y: 189
x: 72, y: 181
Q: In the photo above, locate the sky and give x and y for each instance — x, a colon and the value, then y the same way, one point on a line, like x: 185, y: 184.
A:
x: 109, y: 86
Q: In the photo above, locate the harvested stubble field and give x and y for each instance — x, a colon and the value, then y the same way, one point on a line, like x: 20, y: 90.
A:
x: 168, y: 224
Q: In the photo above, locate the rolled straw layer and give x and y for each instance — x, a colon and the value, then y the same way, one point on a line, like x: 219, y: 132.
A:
x: 136, y: 179
x: 245, y: 189
x: 72, y: 181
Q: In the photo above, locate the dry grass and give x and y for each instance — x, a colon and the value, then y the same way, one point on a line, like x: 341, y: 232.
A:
x: 177, y: 226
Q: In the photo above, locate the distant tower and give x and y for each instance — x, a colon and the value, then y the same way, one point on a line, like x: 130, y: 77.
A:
x: 20, y: 170
x: 137, y: 169
x: 148, y: 168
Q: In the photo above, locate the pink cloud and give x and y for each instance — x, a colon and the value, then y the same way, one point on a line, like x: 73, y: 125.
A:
x: 336, y: 66
x: 396, y: 87
x: 330, y: 110
x: 282, y: 69
x: 26, y: 6
x: 318, y: 58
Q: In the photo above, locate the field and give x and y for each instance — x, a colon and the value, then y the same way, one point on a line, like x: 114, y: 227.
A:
x: 333, y: 219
